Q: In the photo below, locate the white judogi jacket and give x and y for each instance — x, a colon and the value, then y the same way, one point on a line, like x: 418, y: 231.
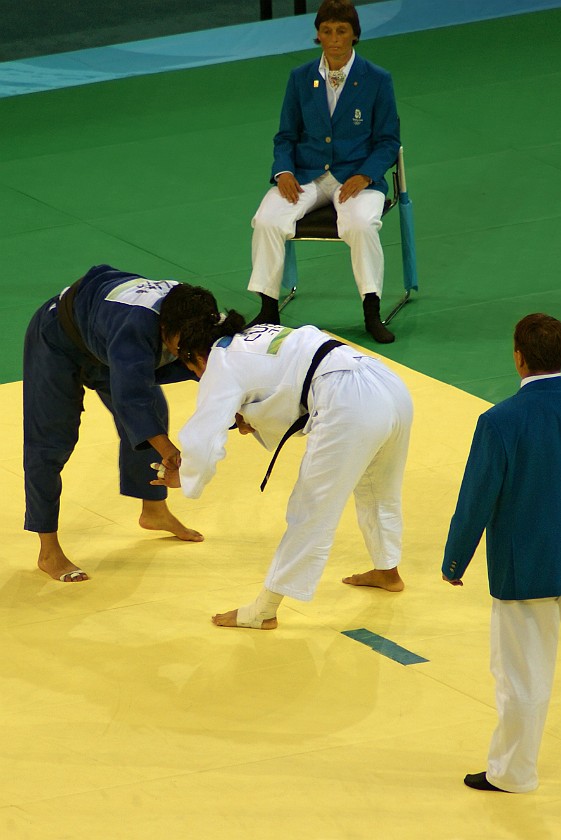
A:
x: 258, y: 374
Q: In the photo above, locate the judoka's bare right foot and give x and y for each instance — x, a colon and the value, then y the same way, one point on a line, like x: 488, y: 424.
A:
x: 230, y: 619
x: 156, y: 516
x: 54, y: 562
x: 388, y: 579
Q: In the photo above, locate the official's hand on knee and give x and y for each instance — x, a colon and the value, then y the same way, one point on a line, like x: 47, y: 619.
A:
x: 289, y: 187
x: 353, y: 186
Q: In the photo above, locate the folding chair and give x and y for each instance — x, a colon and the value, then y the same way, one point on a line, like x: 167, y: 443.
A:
x: 321, y: 225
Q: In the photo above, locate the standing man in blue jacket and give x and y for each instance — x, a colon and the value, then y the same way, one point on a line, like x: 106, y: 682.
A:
x: 512, y: 488
x: 338, y: 136
x: 115, y: 333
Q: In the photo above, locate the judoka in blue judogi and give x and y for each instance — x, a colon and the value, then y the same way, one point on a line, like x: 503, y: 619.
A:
x: 111, y: 331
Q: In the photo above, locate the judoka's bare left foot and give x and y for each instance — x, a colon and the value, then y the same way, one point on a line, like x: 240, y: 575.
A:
x: 55, y: 563
x: 381, y: 578
x: 230, y: 619
x: 156, y: 516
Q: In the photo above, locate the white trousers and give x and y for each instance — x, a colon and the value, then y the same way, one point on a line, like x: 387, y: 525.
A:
x: 359, y: 220
x: 524, y: 637
x: 357, y: 441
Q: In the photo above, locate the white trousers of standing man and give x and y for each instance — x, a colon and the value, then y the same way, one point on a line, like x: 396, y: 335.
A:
x: 359, y: 220
x: 524, y: 638
x: 358, y: 438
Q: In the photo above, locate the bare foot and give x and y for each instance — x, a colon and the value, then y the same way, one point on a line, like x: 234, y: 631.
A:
x: 54, y: 562
x: 381, y: 578
x: 156, y: 516
x: 230, y: 619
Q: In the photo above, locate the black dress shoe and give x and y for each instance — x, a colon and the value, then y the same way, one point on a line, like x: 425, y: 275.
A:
x: 372, y: 320
x: 268, y: 314
x: 478, y: 781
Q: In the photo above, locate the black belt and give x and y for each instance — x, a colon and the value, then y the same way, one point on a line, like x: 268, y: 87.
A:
x: 318, y: 356
x: 65, y: 313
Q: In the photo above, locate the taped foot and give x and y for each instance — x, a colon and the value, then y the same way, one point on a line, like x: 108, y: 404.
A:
x: 232, y: 619
x: 73, y: 577
x: 261, y: 614
x: 59, y: 567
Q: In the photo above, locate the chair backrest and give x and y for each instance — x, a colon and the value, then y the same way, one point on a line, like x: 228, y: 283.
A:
x: 321, y: 224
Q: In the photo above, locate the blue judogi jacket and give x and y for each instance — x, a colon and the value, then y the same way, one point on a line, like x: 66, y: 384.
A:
x: 512, y: 488
x: 362, y: 136
x: 117, y: 314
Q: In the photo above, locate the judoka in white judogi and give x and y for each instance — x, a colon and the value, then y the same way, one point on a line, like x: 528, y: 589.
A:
x: 357, y: 441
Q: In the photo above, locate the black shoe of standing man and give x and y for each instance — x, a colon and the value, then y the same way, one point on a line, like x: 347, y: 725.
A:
x: 478, y: 781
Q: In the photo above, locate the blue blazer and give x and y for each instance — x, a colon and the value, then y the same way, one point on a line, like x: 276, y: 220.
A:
x: 512, y: 487
x: 362, y: 136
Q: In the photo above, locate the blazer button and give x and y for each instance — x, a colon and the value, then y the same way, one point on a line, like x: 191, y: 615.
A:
x: 328, y: 139
x: 326, y: 166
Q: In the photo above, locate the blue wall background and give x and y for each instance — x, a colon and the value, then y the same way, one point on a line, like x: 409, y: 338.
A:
x: 199, y: 48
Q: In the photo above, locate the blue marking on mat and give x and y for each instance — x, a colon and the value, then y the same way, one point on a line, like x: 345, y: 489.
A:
x: 384, y: 646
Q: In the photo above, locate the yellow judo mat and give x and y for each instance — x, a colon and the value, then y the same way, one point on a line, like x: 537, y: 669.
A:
x: 127, y: 714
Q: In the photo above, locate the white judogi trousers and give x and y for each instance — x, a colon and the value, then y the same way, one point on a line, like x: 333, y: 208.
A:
x: 359, y: 220
x: 524, y: 638
x: 358, y: 438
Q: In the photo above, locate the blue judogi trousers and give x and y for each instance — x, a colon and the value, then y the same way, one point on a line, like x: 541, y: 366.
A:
x: 55, y: 373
